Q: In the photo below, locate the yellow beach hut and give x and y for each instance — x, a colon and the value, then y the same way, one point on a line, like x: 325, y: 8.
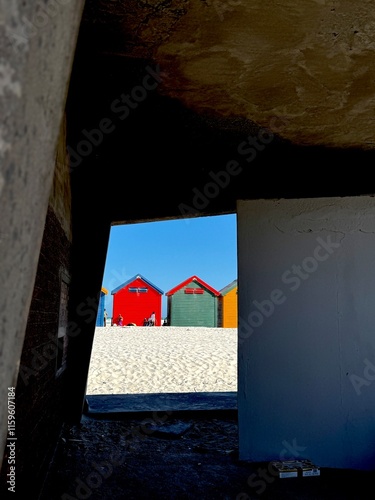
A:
x: 228, y: 306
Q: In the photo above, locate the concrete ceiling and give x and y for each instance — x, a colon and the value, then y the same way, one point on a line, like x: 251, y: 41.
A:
x: 304, y: 69
x: 279, y: 95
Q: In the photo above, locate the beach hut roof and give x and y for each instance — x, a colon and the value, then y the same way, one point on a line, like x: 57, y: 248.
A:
x: 137, y: 276
x: 189, y: 280
x: 104, y: 290
x: 228, y: 288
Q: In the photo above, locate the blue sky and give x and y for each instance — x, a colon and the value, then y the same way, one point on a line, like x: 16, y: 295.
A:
x: 168, y: 252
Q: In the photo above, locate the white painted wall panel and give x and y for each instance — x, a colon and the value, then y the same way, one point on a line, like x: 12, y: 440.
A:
x: 307, y: 330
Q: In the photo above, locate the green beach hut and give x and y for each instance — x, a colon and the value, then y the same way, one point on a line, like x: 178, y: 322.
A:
x: 193, y: 303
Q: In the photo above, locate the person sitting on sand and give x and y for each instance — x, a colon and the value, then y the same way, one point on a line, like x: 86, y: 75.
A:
x: 151, y: 319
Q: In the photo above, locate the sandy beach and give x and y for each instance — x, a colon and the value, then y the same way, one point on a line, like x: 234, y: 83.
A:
x: 134, y: 360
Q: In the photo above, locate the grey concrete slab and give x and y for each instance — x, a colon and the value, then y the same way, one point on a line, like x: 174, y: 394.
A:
x: 107, y: 405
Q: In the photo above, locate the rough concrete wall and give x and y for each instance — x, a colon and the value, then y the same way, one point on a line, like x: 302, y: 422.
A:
x: 306, y: 330
x: 37, y: 46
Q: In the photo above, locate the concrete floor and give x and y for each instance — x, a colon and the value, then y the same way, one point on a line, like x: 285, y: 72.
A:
x: 139, y: 451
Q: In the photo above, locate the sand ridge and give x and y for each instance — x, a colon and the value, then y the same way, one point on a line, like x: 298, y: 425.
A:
x: 134, y: 360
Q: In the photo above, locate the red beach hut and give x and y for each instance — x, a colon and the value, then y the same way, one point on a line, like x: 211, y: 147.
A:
x: 135, y: 300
